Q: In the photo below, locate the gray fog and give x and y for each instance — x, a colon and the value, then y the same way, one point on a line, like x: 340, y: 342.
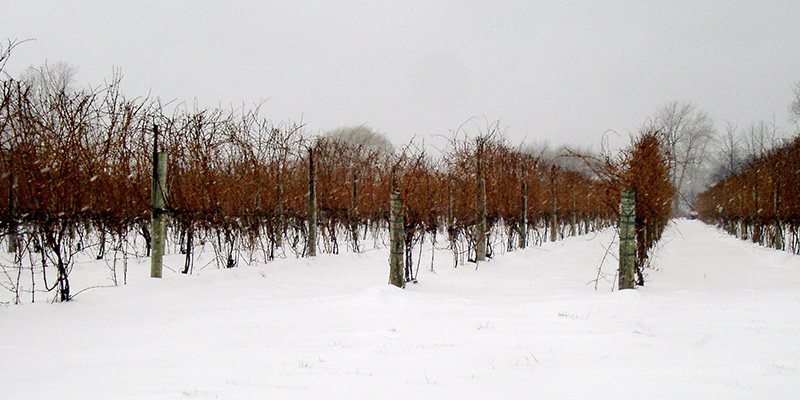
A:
x: 563, y: 72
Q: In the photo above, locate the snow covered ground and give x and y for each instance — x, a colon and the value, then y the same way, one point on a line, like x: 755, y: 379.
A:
x: 719, y: 318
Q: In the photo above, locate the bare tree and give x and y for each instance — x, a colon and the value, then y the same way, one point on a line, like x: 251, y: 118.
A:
x: 794, y: 108
x: 51, y: 78
x: 5, y: 53
x: 362, y: 136
x: 728, y: 158
x: 687, y: 134
x: 759, y: 138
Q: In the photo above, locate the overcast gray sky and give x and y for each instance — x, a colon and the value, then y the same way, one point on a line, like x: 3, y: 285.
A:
x: 561, y: 71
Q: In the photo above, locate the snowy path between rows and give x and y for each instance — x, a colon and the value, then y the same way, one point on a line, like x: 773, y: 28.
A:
x: 719, y: 318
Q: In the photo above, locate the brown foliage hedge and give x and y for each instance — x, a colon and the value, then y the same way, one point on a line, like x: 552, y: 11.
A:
x: 760, y: 203
x: 643, y: 167
x: 82, y: 158
x: 77, y: 164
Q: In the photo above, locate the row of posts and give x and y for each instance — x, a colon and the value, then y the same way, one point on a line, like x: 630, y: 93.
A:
x: 627, y: 223
x: 158, y: 216
x: 627, y: 238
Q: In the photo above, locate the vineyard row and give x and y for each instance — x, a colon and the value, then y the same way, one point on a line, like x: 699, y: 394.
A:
x: 79, y: 163
x: 760, y: 203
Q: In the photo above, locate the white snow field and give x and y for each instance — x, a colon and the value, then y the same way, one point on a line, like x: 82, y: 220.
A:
x: 719, y: 318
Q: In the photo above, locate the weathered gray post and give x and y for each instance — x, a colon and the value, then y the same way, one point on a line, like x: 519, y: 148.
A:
x: 450, y: 221
x: 742, y: 229
x: 627, y: 239
x: 312, y: 206
x: 396, y: 238
x: 573, y: 221
x: 480, y: 229
x: 158, y: 214
x: 756, y: 238
x: 523, y: 218
x: 354, y: 213
x: 13, y: 239
x: 777, y: 238
x: 279, y: 212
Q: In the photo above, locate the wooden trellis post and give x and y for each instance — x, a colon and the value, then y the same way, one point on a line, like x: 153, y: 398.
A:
x: 627, y: 239
x: 777, y: 238
x: 573, y: 220
x: 450, y: 220
x: 553, y: 204
x: 480, y: 229
x: 354, y: 212
x: 553, y: 224
x: 396, y: 239
x: 279, y: 215
x: 158, y: 194
x: 13, y: 238
x: 312, y: 206
x: 523, y: 218
x: 480, y: 210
